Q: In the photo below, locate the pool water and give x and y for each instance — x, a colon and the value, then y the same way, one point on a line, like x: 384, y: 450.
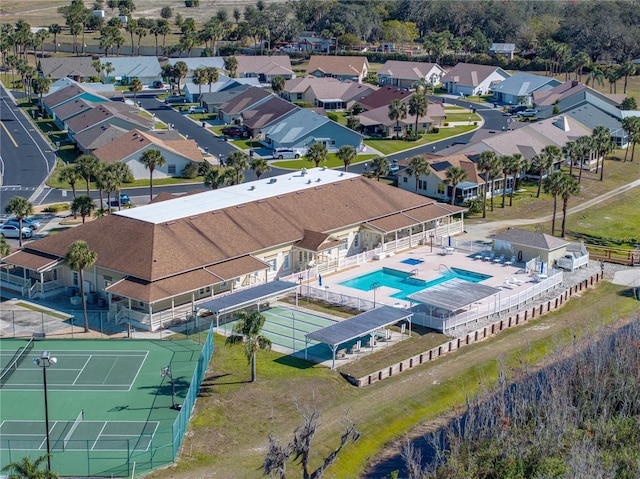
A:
x: 412, y: 261
x: 405, y: 282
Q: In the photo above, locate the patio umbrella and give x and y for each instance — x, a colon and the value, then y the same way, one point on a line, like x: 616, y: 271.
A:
x: 320, y: 279
x: 449, y: 241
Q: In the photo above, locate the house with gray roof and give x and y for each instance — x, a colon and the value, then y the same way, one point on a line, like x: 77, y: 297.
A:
x: 192, y: 91
x: 470, y: 79
x: 302, y: 128
x: 200, y: 62
x: 76, y: 68
x: 506, y: 50
x: 212, y: 100
x: 119, y: 114
x: 70, y: 109
x: 264, y: 67
x: 406, y: 74
x: 108, y: 91
x: 248, y: 99
x: 90, y: 140
x: 67, y: 94
x: 376, y: 122
x: 125, y: 69
x: 518, y: 89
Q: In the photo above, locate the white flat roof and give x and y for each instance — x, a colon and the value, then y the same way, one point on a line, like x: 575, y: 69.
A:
x: 192, y: 205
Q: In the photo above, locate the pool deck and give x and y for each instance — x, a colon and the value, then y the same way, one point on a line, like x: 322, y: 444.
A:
x: 434, y: 263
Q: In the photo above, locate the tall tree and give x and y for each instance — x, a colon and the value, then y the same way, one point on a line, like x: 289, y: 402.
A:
x: 603, y: 144
x: 212, y: 76
x: 380, y: 166
x: 40, y: 86
x: 317, y: 153
x: 627, y: 69
x: 418, y: 105
x: 70, y: 174
x: 27, y: 468
x: 570, y: 187
x: 571, y: 150
x: 347, y: 154
x: 21, y: 208
x: 135, y: 87
x: 517, y: 166
x: 80, y: 257
x: 259, y: 166
x: 199, y: 77
x: 218, y: 177
x: 418, y: 167
x: 553, y: 185
x: 82, y: 205
x: 586, y: 147
x: 239, y: 162
x: 231, y: 66
x: 277, y: 84
x: 152, y: 159
x: 454, y: 176
x: 397, y: 112
x: 549, y: 155
x: 248, y: 330
x: 55, y: 29
x: 88, y: 165
x: 631, y: 126
x: 180, y: 71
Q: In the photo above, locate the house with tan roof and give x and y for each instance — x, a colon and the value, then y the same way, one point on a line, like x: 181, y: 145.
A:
x: 435, y: 184
x: 264, y: 67
x: 114, y: 113
x: 129, y: 147
x: 470, y: 79
x: 192, y: 248
x: 69, y: 93
x: 326, y: 93
x: 76, y: 68
x: 231, y: 110
x: 406, y: 74
x: 340, y: 67
x: 383, y: 97
x: 376, y: 122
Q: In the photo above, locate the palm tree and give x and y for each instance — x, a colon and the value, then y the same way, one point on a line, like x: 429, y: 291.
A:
x: 135, y: 87
x: 603, y: 144
x: 108, y: 68
x: 397, y: 112
x: 277, y: 84
x: 26, y: 469
x: 570, y: 187
x: 231, y: 65
x: 631, y: 126
x: 518, y: 164
x: 571, y: 150
x: 247, y: 330
x: 70, y: 174
x: 418, y: 167
x: 83, y: 206
x: 5, y: 248
x: 586, y: 147
x: 180, y: 71
x: 55, y: 29
x: 21, y: 208
x: 627, y: 69
x: 418, y: 106
x: 78, y: 258
x: 239, y: 162
x: 485, y: 163
x: 580, y: 61
x: 347, y: 153
x: 218, y: 177
x: 596, y: 76
x: 508, y: 164
x: 40, y: 86
x: 260, y: 165
x: 122, y: 174
x: 454, y: 176
x: 553, y: 184
x: 152, y: 159
x: 212, y: 76
x: 199, y: 78
x: 543, y: 162
x: 317, y: 153
x: 88, y: 165
x: 380, y: 165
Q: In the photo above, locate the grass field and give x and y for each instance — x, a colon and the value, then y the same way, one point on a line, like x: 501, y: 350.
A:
x: 389, y: 147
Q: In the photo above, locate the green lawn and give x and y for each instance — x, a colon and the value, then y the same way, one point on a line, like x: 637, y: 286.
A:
x: 203, y: 116
x: 463, y: 117
x: 145, y: 113
x: 389, y: 147
x: 332, y: 162
x: 246, y: 144
x: 159, y: 125
x: 6, y: 79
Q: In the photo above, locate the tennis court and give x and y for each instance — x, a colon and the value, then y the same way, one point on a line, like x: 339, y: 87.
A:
x: 109, y: 402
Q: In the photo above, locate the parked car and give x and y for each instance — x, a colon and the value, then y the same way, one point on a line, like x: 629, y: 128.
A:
x: 175, y: 99
x: 516, y: 109
x: 12, y: 231
x: 197, y: 109
x: 124, y: 199
x: 528, y: 113
x: 286, y: 153
x: 235, y: 131
x: 30, y: 223
x: 158, y: 84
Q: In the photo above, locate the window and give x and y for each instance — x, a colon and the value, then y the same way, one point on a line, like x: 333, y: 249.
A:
x: 356, y: 241
x: 344, y: 245
x: 405, y: 179
x: 171, y: 169
x: 422, y: 184
x: 273, y: 263
x: 76, y: 281
x: 299, y: 96
x: 333, y: 142
x: 285, y: 262
x: 441, y: 188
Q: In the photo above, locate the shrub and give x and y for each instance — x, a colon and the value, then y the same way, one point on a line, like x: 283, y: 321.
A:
x: 303, y: 104
x: 56, y: 208
x: 332, y: 116
x: 434, y: 130
x: 190, y: 171
x: 446, y: 123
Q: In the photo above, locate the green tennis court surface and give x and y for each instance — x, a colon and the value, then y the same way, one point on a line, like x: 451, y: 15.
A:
x: 109, y: 406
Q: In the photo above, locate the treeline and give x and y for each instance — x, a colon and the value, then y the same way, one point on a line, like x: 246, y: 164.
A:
x: 577, y: 418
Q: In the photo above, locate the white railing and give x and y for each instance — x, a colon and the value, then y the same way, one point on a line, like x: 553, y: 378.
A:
x: 12, y: 278
x: 35, y: 288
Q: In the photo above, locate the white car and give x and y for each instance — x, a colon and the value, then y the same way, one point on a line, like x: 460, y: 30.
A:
x: 286, y: 154
x: 197, y: 109
x: 31, y: 223
x: 11, y: 231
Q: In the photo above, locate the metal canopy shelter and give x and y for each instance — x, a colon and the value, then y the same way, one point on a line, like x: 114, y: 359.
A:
x: 357, y: 326
x: 454, y: 294
x: 247, y: 297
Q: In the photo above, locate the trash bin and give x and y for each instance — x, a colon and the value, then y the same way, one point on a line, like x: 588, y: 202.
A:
x: 92, y: 298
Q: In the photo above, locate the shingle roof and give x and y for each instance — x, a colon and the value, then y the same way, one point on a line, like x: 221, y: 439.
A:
x: 222, y: 96
x: 337, y: 65
x: 94, y: 138
x: 246, y: 99
x: 532, y: 239
x: 62, y: 95
x: 503, y: 47
x: 267, y: 112
x: 72, y: 108
x: 461, y: 160
x: 200, y: 62
x: 71, y: 66
x: 383, y: 97
x: 522, y: 84
x: 189, y: 243
x: 407, y: 70
x: 133, y: 66
x: 103, y: 111
x: 469, y: 74
x: 268, y: 65
x: 295, y: 126
x: 380, y: 116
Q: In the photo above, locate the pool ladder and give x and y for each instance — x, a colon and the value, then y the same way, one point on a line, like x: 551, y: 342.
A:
x: 414, y: 272
x: 446, y: 267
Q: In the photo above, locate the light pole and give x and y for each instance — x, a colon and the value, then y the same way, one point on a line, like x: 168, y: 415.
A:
x: 431, y: 242
x: 44, y: 361
x: 293, y: 319
x: 375, y: 286
x: 166, y: 371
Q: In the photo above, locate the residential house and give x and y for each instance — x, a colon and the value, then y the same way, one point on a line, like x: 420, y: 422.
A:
x: 340, y: 67
x: 92, y: 139
x: 531, y: 245
x: 125, y: 69
x: 376, y: 122
x: 383, y: 97
x: 108, y: 91
x: 470, y: 79
x: 584, y: 104
x: 212, y: 101
x: 119, y: 114
x: 128, y: 149
x: 406, y: 74
x: 326, y: 93
x: 312, y: 42
x: 264, y: 67
x: 200, y: 62
x: 519, y: 88
x: 77, y: 68
x: 67, y: 110
x: 231, y: 111
x: 303, y: 127
x: 435, y: 185
x: 192, y: 91
x: 189, y: 249
x: 506, y: 50
x: 265, y: 114
x: 67, y: 94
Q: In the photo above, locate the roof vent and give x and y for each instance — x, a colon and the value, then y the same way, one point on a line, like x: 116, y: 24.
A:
x: 341, y: 173
x: 135, y: 135
x: 253, y: 187
x: 273, y: 180
x: 303, y: 171
x: 309, y: 181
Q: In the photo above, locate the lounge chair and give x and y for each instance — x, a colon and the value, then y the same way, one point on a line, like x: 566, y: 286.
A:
x: 490, y: 257
x: 510, y: 262
x: 499, y: 260
x: 507, y: 284
x: 516, y: 281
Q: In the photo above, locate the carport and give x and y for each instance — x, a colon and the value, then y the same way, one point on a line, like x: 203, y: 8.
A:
x: 248, y: 297
x: 357, y: 326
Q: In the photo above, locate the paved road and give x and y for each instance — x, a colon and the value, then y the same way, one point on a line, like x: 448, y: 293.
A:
x: 25, y: 157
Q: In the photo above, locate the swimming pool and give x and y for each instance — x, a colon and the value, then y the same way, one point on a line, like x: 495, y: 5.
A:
x: 406, y: 283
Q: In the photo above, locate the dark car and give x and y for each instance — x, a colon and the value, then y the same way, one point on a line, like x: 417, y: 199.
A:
x: 235, y: 131
x: 158, y: 84
x: 516, y: 109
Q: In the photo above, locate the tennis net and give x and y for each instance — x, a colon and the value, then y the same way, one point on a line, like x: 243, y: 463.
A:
x: 17, y: 358
x: 73, y: 427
